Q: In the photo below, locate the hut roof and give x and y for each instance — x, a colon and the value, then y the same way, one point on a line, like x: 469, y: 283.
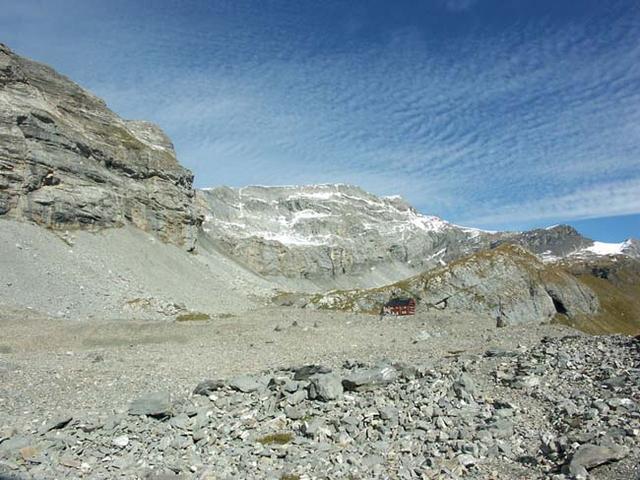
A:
x: 399, y: 302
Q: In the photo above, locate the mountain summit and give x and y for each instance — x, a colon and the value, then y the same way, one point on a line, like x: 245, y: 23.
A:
x: 320, y: 231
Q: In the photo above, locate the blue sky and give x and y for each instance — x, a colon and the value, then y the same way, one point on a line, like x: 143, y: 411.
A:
x: 498, y: 114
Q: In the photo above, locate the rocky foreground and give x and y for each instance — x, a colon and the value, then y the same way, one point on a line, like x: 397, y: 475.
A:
x: 566, y: 407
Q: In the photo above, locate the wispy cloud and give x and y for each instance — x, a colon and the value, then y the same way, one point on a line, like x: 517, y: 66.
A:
x: 532, y: 120
x: 600, y: 200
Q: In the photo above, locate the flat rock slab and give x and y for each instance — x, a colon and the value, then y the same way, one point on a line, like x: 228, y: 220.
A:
x: 153, y: 404
x: 207, y: 387
x: 590, y: 456
x: 500, y: 352
x: 303, y: 373
x: 248, y: 383
x: 56, y: 423
x: 369, y: 378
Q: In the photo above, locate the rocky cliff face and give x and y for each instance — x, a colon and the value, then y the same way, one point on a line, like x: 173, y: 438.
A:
x: 330, y: 230
x: 508, y: 282
x: 67, y: 161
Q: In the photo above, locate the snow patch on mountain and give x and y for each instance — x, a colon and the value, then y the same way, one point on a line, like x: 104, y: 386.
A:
x: 630, y: 248
x: 329, y: 230
x: 602, y: 248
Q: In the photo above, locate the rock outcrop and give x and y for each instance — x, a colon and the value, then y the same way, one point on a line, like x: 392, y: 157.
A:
x: 67, y: 161
x: 616, y: 282
x: 556, y: 241
x: 508, y: 282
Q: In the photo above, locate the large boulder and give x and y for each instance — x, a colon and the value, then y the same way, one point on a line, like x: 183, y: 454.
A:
x: 325, y: 387
x: 370, y: 378
x: 589, y: 456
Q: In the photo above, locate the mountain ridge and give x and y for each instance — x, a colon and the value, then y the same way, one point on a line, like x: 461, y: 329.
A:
x: 333, y: 230
x: 507, y: 282
x: 67, y: 161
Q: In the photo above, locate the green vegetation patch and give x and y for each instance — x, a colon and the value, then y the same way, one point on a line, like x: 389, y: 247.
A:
x: 616, y: 283
x: 193, y: 317
x: 276, y: 438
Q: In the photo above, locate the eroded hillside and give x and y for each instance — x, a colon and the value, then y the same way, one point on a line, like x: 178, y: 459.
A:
x: 616, y: 282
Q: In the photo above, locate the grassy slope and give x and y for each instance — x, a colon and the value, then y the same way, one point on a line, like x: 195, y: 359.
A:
x: 619, y: 295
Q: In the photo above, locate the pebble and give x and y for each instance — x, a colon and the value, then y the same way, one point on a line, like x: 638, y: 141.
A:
x: 121, y: 441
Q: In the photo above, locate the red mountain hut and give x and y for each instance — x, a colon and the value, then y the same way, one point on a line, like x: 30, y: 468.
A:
x: 399, y: 306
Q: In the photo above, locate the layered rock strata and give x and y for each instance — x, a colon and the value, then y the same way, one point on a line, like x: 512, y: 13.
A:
x: 67, y: 161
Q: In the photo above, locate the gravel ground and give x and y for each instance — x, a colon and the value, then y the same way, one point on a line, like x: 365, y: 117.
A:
x: 51, y: 369
x: 54, y: 361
